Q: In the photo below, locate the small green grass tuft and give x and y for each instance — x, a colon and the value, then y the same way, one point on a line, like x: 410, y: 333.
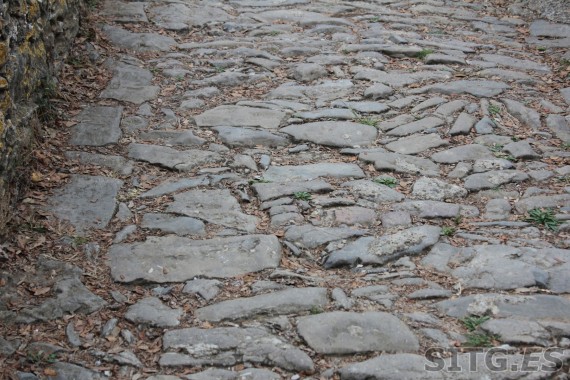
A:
x: 258, y: 180
x: 543, y: 217
x: 496, y: 148
x: 479, y: 340
x: 386, y: 181
x: 41, y: 357
x: 316, y: 310
x: 448, y: 231
x: 473, y: 321
x: 541, y: 48
x: 302, y: 196
x: 424, y: 53
x: 374, y: 19
x: 367, y: 121
x: 494, y: 109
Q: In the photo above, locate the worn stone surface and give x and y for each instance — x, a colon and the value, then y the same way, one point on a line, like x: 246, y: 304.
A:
x: 470, y: 152
x: 437, y: 190
x: 308, y: 236
x: 401, y: 163
x: 267, y: 191
x: 248, y: 137
x: 238, y: 116
x: 97, y: 126
x: 130, y: 83
x: 312, y: 171
x: 172, y: 258
x: 173, y: 224
x: 339, y: 134
x: 348, y: 333
x: 185, y: 160
x: 153, y: 312
x: 416, y: 143
x: 493, y: 178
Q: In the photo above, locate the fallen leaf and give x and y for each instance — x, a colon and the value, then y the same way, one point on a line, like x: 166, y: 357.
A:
x: 50, y: 372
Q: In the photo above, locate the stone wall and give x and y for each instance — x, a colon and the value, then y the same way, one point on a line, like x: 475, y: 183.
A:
x: 35, y: 37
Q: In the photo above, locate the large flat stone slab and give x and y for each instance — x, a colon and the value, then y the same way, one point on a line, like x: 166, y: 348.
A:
x: 131, y: 84
x: 267, y: 191
x: 493, y: 178
x: 118, y: 164
x: 151, y: 311
x: 86, y: 201
x: 339, y: 133
x: 516, y: 63
x: 98, y: 126
x: 560, y: 126
x: 141, y: 42
x: 309, y: 236
x: 177, y: 259
x: 295, y: 173
x: 373, y: 191
x: 341, y: 333
x: 400, y: 79
x: 479, y: 88
x: 501, y: 267
x: 381, y: 250
x: 416, y: 143
x: 228, y: 346
x: 216, y: 206
x: 417, y: 126
x: 182, y: 16
x: 287, y: 301
x: 542, y: 201
x: 239, y: 116
x: 469, y: 152
x: 120, y: 11
x: 249, y: 137
x: 182, y: 160
x: 401, y: 163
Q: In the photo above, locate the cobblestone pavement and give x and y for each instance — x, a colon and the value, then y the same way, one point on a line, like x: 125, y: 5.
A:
x: 295, y: 189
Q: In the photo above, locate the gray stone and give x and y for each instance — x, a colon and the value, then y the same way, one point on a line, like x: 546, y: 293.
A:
x: 565, y: 92
x: 527, y: 116
x: 560, y: 126
x: 437, y: 190
x: 132, y: 124
x: 516, y: 63
x: 431, y: 102
x: 267, y: 191
x: 207, y: 289
x: 327, y: 113
x: 470, y: 152
x: 151, y: 311
x: 213, y: 206
x: 461, y: 170
x: 364, y: 107
x: 238, y: 116
x: 72, y: 335
x: 514, y: 331
x: 487, y: 164
x: 341, y: 299
x: 485, y: 126
x: 416, y: 143
x: 435, y: 209
x: 185, y: 160
x: 543, y: 28
x: 175, y: 259
x: 400, y: 78
x: 463, y: 124
x: 292, y: 173
x: 182, y: 138
x: 417, y: 126
x: 141, y: 42
x: 308, y: 236
x: 428, y: 293
x: 378, y: 91
x: 339, y: 134
x: 227, y: 346
x: 341, y: 332
x: 448, y: 109
x: 247, y: 137
x: 521, y: 150
x: 373, y: 192
x: 507, y: 75
x: 308, y: 72
x: 86, y: 201
x: 436, y: 58
x: 478, y: 88
x: 350, y: 216
x: 391, y: 367
x: 497, y: 209
x: 125, y: 12
x: 542, y: 201
x: 172, y: 186
x: 213, y: 374
x: 66, y: 371
x: 130, y: 84
x: 401, y: 163
x: 288, y: 301
x: 97, y: 126
x: 493, y: 178
x: 192, y: 104
x: 8, y: 347
x: 395, y: 122
x: 173, y: 224
x: 124, y: 233
x: 369, y: 250
x: 183, y: 16
x: 396, y: 219
x: 118, y: 164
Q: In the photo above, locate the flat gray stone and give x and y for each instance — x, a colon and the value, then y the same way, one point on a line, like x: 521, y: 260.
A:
x: 399, y: 78
x: 521, y: 150
x: 248, y: 137
x: 268, y: 191
x: 288, y: 301
x: 207, y: 289
x: 485, y: 126
x: 542, y: 201
x: 463, y: 124
x: 369, y: 250
x: 373, y: 192
x: 182, y: 160
x: 131, y: 84
x: 178, y: 225
x: 151, y: 311
x: 342, y: 332
x: 239, y: 116
x: 176, y: 259
x: 364, y: 107
x: 417, y: 126
x: 180, y: 138
x: 119, y: 11
x: 507, y: 75
x: 216, y: 206
x: 86, y: 201
x: 488, y: 164
x: 327, y: 113
x: 182, y: 16
x: 437, y: 190
x: 308, y: 72
x: 395, y: 122
x: 444, y: 59
x: 292, y: 173
x: 424, y: 294
x: 309, y: 236
x: 8, y: 347
x: 435, y: 209
x: 396, y: 219
x: 565, y: 92
x: 118, y: 164
x: 514, y: 331
x: 333, y: 133
x: 470, y: 152
x: 503, y: 267
x: 228, y: 346
x: 391, y: 367
x: 497, y: 209
x: 401, y: 163
x: 416, y: 143
x: 543, y: 28
x: 516, y: 63
x: 527, y: 116
x: 140, y: 42
x: 560, y: 126
x: 172, y: 186
x: 493, y: 178
x: 71, y: 371
x: 478, y: 88
x: 97, y: 126
x: 378, y: 91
